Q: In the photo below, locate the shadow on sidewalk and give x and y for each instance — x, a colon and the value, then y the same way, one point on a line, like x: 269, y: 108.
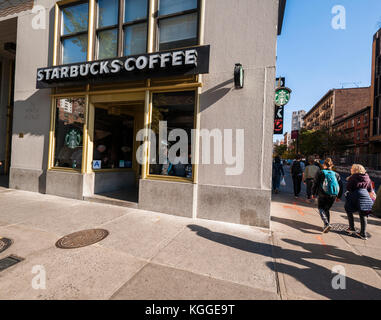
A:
x: 371, y: 220
x: 312, y: 275
x: 285, y: 198
x: 298, y: 225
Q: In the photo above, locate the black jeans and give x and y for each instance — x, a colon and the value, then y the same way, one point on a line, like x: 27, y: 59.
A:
x: 324, y: 204
x: 363, y: 222
x: 309, y: 184
x: 297, y: 181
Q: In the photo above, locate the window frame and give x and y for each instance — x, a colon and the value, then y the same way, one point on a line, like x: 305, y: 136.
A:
x: 152, y: 33
x: 98, y: 30
x: 175, y: 15
x: 53, y: 139
x: 193, y: 141
x: 72, y: 35
x: 134, y: 142
x: 120, y: 26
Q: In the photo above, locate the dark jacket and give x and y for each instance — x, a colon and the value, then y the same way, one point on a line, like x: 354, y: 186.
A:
x: 278, y: 169
x: 317, y: 188
x: 357, y: 198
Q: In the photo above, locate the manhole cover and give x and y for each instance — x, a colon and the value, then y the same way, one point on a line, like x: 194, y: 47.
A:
x: 5, y: 244
x: 81, y: 238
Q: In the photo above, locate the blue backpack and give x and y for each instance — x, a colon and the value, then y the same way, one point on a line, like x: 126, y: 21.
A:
x: 330, y: 184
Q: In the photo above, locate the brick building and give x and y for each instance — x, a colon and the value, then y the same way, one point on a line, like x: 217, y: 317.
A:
x: 355, y: 128
x: 375, y: 125
x: 336, y: 105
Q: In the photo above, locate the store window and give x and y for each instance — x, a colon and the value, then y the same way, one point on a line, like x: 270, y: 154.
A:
x: 113, y: 138
x: 69, y: 123
x: 74, y: 33
x: 107, y: 28
x: 132, y: 24
x: 177, y: 23
x: 135, y: 26
x: 174, y: 110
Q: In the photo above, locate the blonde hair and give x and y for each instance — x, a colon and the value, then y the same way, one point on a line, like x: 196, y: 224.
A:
x: 358, y: 168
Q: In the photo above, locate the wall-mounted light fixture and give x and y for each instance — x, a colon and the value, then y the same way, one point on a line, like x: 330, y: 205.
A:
x: 239, y: 75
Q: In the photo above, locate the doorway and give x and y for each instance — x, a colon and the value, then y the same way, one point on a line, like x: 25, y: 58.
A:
x: 7, y: 68
x: 117, y: 172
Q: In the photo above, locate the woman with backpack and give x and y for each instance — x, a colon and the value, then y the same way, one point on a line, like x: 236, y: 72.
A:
x: 327, y: 187
x: 358, y: 199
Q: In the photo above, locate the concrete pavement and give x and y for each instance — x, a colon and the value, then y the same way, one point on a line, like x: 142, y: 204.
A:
x: 305, y: 257
x: 156, y: 256
x: 146, y: 255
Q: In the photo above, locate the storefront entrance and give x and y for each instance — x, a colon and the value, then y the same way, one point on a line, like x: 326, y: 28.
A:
x: 7, y: 67
x: 114, y: 163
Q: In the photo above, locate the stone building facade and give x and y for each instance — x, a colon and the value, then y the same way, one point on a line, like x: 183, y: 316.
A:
x: 73, y: 134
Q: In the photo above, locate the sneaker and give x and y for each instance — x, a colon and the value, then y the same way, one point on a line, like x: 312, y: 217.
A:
x: 362, y: 237
x: 327, y: 228
x: 350, y: 232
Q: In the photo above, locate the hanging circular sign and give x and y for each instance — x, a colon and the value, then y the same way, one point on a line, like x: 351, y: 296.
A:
x: 73, y: 138
x: 282, y: 96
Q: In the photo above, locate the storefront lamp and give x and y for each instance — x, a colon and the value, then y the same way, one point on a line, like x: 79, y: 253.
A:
x: 239, y: 75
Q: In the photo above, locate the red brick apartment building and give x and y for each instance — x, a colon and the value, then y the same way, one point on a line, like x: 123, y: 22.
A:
x: 335, y: 106
x: 355, y: 128
x: 375, y: 138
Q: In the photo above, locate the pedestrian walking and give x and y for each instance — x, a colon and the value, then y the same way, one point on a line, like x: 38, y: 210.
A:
x: 359, y: 188
x: 297, y: 169
x: 309, y: 175
x: 328, y: 187
x: 278, y: 173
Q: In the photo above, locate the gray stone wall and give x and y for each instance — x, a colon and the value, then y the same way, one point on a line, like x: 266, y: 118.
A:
x: 31, y: 116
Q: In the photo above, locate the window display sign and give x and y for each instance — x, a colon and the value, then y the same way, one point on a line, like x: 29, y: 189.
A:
x: 188, y: 61
x: 97, y: 164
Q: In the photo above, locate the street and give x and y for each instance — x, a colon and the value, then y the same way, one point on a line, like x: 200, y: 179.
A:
x: 149, y: 255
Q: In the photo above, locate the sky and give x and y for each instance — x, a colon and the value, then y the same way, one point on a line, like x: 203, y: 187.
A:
x: 314, y: 57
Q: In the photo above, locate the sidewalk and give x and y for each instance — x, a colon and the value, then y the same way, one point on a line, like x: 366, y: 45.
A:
x: 305, y: 257
x: 156, y: 256
x: 146, y: 255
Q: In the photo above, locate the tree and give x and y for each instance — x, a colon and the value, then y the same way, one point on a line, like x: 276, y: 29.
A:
x: 321, y: 142
x: 280, y: 150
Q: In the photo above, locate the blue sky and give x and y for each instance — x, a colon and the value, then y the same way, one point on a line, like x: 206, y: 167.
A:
x: 315, y: 58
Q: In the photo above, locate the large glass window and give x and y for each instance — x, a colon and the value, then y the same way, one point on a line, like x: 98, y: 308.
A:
x: 74, y: 33
x: 107, y: 28
x: 178, y: 23
x: 135, y: 26
x: 70, y: 119
x: 170, y: 112
x: 113, y: 139
x: 125, y: 33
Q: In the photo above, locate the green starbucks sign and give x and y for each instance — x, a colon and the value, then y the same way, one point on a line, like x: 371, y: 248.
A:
x: 282, y: 96
x: 73, y: 138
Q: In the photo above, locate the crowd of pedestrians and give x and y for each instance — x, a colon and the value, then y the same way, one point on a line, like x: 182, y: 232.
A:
x: 325, y: 186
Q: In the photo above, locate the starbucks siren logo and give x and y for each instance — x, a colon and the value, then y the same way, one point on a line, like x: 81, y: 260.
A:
x: 282, y: 96
x: 73, y: 139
